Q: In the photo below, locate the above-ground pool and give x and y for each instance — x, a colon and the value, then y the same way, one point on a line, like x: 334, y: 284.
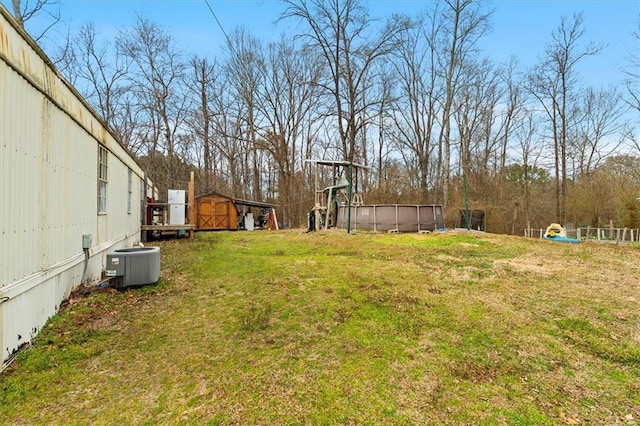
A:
x: 392, y: 217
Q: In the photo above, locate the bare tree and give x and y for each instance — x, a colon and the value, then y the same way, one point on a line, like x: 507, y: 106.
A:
x: 554, y: 83
x: 385, y: 118
x: 64, y: 58
x: 418, y: 96
x: 530, y: 151
x: 598, y: 129
x: 200, y: 85
x: 227, y: 121
x: 465, y: 22
x: 633, y: 73
x: 340, y: 30
x: 25, y: 10
x: 100, y: 72
x: 475, y: 113
x: 287, y: 102
x: 156, y: 80
x: 513, y: 105
x: 632, y: 83
x: 242, y: 70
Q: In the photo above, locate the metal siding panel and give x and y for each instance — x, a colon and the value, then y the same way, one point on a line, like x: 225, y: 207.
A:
x: 20, y: 172
x: 80, y: 200
x: 48, y: 175
x: 45, y: 165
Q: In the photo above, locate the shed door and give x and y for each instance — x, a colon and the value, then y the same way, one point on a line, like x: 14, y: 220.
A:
x: 205, y: 214
x: 221, y: 214
x: 214, y: 214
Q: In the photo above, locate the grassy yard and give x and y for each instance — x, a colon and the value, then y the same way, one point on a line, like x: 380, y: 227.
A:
x: 330, y: 328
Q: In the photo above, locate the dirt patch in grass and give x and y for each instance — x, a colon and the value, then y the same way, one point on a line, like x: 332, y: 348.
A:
x: 531, y: 264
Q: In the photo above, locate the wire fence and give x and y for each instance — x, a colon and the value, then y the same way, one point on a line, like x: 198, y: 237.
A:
x: 593, y: 234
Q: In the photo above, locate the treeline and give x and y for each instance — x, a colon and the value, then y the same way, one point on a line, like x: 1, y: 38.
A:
x: 412, y: 97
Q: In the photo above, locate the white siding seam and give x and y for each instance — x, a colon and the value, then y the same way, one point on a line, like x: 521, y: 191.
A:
x: 17, y: 288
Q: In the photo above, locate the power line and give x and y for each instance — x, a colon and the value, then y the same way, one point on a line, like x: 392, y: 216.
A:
x: 218, y: 22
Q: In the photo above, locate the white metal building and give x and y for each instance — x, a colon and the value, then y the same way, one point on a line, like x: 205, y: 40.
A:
x: 70, y: 193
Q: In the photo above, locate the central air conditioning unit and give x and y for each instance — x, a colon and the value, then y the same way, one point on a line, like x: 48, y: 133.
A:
x: 133, y: 267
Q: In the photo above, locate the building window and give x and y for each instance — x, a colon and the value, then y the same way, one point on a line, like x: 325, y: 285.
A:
x: 130, y: 193
x: 102, y: 179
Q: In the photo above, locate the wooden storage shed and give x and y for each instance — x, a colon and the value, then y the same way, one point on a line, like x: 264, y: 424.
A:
x: 218, y: 212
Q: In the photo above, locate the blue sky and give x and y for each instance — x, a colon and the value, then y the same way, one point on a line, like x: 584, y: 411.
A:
x: 520, y: 27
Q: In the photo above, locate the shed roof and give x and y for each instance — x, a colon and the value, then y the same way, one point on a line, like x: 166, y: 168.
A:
x: 238, y: 201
